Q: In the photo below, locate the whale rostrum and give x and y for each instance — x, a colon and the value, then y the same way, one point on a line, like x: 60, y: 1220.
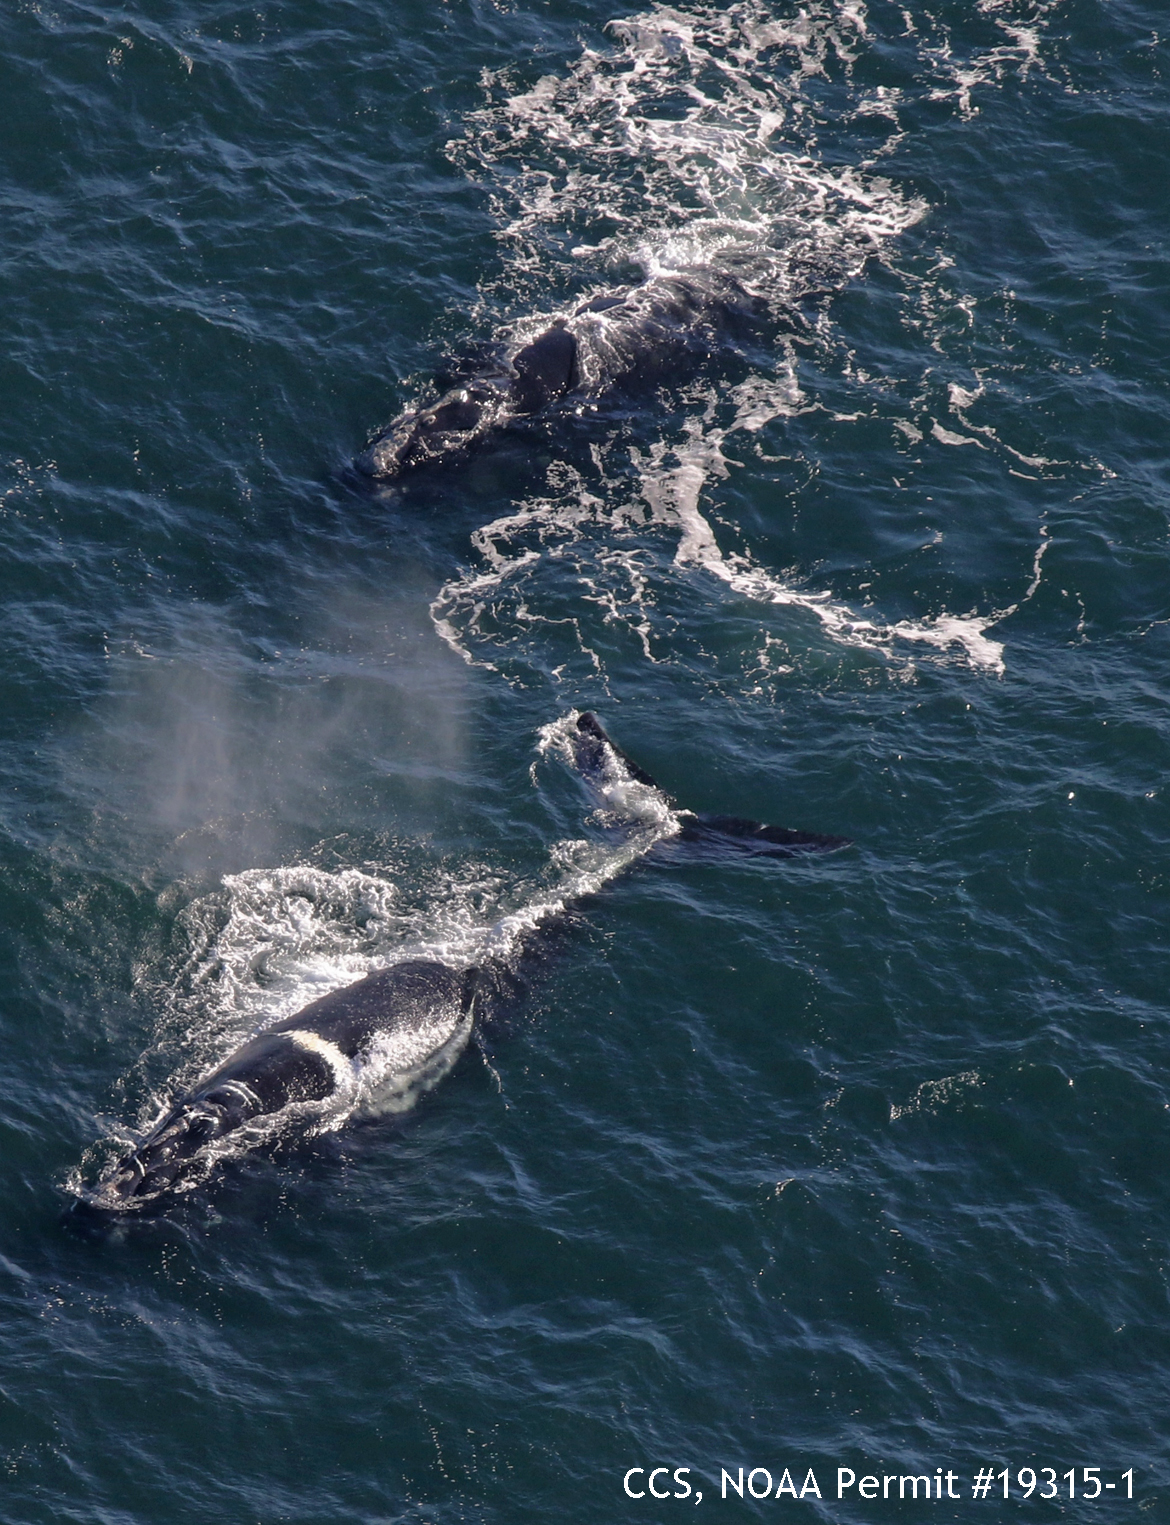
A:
x: 373, y: 1046
x: 642, y: 334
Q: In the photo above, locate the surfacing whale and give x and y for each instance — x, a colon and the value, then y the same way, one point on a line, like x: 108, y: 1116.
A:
x: 374, y: 1046
x: 643, y: 334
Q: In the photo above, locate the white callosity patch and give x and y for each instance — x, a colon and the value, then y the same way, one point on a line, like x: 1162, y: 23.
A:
x: 693, y: 142
x: 344, y: 1074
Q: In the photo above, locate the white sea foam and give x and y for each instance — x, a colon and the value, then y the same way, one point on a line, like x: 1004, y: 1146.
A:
x: 690, y: 141
x: 674, y: 492
x: 582, y: 534
x: 933, y: 1096
x: 962, y: 75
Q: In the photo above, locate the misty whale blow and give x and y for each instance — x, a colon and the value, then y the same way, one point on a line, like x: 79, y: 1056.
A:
x: 377, y: 1044
x: 638, y: 334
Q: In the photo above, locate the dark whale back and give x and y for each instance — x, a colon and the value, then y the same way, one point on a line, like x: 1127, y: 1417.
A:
x: 545, y: 370
x: 394, y: 1033
x: 648, y: 333
x: 406, y: 997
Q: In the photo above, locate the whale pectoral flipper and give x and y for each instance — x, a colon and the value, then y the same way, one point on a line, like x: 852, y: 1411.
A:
x: 735, y: 834
x: 593, y: 741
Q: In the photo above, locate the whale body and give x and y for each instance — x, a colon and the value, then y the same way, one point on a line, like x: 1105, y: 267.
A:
x: 642, y: 334
x: 411, y: 1021
x: 374, y: 1046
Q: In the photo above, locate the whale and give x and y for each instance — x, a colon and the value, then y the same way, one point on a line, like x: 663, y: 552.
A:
x: 640, y: 335
x: 421, y: 1008
x: 373, y: 1047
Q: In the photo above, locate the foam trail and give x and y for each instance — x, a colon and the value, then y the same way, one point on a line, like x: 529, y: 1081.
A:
x: 672, y: 481
x: 690, y: 142
x: 673, y: 493
x: 1021, y: 24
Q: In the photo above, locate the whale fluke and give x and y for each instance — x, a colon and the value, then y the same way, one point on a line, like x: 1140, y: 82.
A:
x: 732, y: 834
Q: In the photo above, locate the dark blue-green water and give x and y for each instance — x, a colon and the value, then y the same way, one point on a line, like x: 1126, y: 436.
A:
x: 857, y: 1161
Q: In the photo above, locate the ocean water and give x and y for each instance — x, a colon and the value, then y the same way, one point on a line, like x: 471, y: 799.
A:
x: 858, y: 1161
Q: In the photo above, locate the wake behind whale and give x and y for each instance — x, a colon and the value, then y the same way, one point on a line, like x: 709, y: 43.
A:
x: 686, y: 147
x: 374, y: 1046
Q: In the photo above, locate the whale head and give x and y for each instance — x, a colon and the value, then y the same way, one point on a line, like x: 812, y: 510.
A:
x: 268, y: 1082
x: 449, y: 426
x: 176, y: 1153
